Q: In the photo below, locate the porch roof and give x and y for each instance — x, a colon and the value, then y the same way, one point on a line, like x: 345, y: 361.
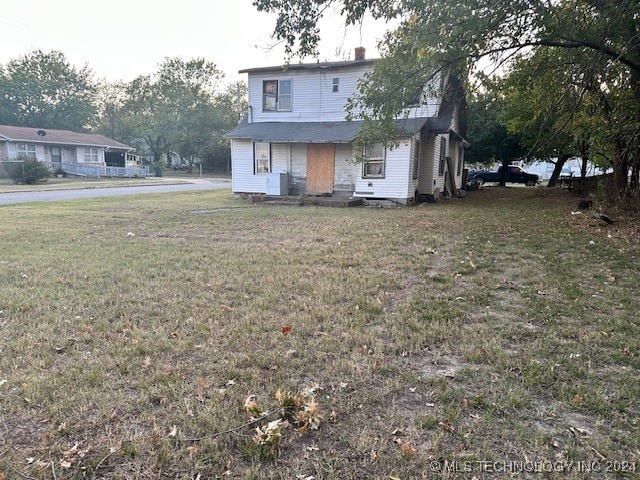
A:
x: 322, y: 132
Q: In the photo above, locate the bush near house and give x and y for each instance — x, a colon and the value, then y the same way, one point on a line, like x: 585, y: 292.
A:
x: 29, y: 171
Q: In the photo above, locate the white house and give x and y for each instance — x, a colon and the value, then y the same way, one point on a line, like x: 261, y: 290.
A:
x: 64, y: 148
x: 296, y: 125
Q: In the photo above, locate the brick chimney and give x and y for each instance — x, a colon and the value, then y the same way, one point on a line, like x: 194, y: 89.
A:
x: 359, y: 55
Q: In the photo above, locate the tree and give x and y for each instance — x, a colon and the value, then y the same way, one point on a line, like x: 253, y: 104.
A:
x: 458, y: 36
x: 169, y: 109
x: 43, y: 90
x: 489, y: 139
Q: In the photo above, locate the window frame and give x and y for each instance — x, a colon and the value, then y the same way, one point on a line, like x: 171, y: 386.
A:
x: 443, y: 156
x: 369, y: 160
x: 91, y: 155
x: 24, y: 150
x: 460, y: 160
x: 335, y: 85
x: 262, y: 169
x: 273, y: 96
x: 417, y: 152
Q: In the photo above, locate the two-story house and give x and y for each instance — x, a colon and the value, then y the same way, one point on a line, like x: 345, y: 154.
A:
x: 296, y: 124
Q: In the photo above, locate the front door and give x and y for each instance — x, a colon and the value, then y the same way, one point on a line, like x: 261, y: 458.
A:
x: 320, y: 168
x: 56, y: 154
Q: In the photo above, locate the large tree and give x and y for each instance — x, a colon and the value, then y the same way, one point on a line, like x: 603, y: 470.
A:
x: 464, y: 35
x: 171, y: 108
x: 44, y: 90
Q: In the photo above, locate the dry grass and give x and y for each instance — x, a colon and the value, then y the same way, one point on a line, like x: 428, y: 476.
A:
x: 498, y: 328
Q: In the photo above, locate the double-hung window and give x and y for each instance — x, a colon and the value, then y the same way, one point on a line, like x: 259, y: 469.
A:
x: 276, y: 95
x: 262, y: 157
x: 26, y: 150
x: 373, y: 163
x: 91, y: 155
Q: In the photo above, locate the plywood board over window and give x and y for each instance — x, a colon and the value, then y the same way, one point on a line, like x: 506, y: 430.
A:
x: 320, y: 168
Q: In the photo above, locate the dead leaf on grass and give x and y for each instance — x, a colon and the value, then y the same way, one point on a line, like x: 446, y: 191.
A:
x: 286, y: 329
x: 407, y: 450
x: 446, y: 426
x: 146, y: 364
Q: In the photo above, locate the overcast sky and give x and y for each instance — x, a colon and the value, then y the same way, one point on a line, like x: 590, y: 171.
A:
x: 122, y: 39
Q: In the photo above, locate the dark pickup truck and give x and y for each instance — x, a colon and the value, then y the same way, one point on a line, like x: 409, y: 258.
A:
x: 515, y: 174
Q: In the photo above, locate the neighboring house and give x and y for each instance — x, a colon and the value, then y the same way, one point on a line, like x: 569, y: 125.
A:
x: 296, y: 124
x: 63, y: 147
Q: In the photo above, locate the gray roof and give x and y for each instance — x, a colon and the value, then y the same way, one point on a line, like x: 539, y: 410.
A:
x: 324, y: 132
x: 62, y: 137
x: 312, y: 66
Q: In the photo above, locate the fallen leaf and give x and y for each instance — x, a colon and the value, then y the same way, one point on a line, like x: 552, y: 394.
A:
x: 174, y: 431
x: 407, y: 450
x: 333, y: 417
x: 147, y: 363
x: 65, y: 464
x: 286, y: 329
x: 227, y: 308
x: 446, y: 426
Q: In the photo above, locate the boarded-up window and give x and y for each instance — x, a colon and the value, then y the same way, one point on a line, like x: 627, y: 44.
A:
x: 261, y: 157
x: 373, y: 163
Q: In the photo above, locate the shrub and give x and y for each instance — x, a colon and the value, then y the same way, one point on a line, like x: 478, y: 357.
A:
x: 30, y: 171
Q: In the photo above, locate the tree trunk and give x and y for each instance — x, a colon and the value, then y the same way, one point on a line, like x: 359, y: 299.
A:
x: 562, y: 159
x: 505, y: 173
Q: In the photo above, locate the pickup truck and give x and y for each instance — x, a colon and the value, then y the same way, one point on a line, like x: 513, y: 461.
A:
x: 515, y: 174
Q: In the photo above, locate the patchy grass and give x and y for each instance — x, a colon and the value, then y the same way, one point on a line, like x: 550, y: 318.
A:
x: 498, y: 332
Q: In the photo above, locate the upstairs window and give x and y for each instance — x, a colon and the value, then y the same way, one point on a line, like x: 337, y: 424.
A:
x: 91, y: 155
x: 373, y: 163
x: 336, y: 85
x: 276, y: 95
x: 26, y: 150
x: 262, y: 158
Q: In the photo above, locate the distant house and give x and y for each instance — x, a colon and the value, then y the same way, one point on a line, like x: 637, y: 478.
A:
x: 63, y: 148
x: 295, y: 126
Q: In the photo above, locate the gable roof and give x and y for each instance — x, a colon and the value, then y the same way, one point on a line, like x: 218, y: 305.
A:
x: 326, y: 132
x: 63, y: 137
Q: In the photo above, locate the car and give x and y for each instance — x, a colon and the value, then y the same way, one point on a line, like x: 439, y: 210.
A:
x: 515, y: 174
x: 182, y: 166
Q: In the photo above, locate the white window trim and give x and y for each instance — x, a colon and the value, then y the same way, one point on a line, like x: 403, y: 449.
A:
x: 374, y: 160
x: 91, y: 155
x: 266, y: 147
x: 25, y: 149
x: 277, y: 107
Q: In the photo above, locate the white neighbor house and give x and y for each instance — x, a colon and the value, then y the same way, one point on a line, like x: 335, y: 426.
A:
x: 295, y: 124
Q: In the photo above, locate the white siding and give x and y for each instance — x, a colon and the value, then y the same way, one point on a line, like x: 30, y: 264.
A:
x: 243, y: 179
x: 313, y: 98
x: 395, y: 183
x: 298, y: 175
x: 345, y: 171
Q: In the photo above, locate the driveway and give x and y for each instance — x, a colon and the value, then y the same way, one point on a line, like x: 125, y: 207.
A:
x: 75, y: 194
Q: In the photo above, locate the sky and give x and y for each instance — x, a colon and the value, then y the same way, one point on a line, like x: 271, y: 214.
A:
x: 123, y: 39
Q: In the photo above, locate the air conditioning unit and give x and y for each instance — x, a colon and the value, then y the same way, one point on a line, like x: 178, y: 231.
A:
x: 277, y: 183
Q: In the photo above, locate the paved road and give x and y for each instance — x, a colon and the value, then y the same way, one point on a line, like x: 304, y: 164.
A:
x: 55, y: 195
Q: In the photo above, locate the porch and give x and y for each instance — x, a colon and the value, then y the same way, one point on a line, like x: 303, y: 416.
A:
x: 99, y: 171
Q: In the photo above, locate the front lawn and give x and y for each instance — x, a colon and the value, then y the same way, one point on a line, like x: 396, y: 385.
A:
x: 481, y: 337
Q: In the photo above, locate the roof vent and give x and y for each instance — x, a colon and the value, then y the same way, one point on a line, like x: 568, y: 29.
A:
x: 359, y: 55
x: 41, y: 133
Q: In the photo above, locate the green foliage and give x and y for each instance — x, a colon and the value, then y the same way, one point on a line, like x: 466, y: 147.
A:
x: 43, y: 90
x: 29, y: 171
x: 593, y: 48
